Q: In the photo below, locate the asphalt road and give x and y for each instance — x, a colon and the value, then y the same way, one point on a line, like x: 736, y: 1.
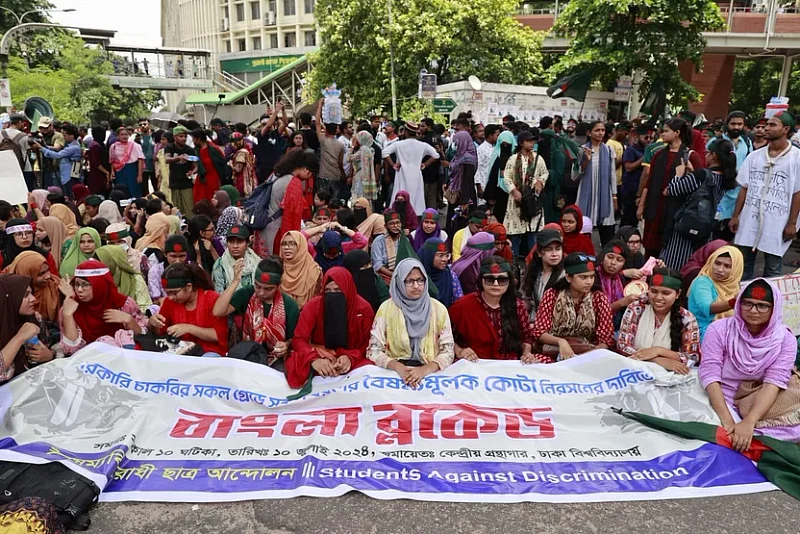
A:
x: 768, y: 513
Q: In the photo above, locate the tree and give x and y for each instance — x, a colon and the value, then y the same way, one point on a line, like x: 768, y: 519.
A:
x: 652, y: 37
x: 7, y: 20
x: 752, y: 97
x: 451, y: 38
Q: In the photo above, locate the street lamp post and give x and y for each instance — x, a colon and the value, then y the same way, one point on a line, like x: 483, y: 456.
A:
x: 20, y: 17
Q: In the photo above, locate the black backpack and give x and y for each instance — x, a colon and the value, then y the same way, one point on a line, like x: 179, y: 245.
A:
x: 256, y: 207
x: 72, y: 494
x: 695, y: 219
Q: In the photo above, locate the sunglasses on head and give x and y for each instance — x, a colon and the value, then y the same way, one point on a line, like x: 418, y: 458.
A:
x: 586, y: 258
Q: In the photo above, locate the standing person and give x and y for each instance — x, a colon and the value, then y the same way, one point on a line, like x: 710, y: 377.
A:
x: 734, y: 132
x: 431, y: 179
x: 98, y: 179
x: 181, y: 170
x: 759, y: 130
x: 765, y: 217
x: 127, y: 162
x: 462, y: 173
x: 524, y: 169
x: 15, y: 132
x: 331, y: 158
x: 271, y: 143
x: 618, y: 140
x: 302, y: 166
x: 346, y: 138
x: 410, y: 153
x: 494, y: 194
x: 362, y: 159
x: 485, y: 149
x: 49, y: 170
x: 212, y: 167
x: 243, y: 166
x: 632, y: 168
x: 597, y: 192
x: 149, y: 151
x: 222, y: 133
x: 162, y: 139
x: 69, y: 159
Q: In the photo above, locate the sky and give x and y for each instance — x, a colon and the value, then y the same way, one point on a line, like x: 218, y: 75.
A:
x: 137, y: 22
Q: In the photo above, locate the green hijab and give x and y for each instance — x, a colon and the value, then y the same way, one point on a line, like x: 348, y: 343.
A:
x: 74, y: 256
x: 124, y: 276
x: 233, y: 193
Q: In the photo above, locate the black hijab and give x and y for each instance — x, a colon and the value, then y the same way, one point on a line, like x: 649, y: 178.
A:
x: 633, y: 260
x: 12, y: 290
x: 363, y: 278
x: 11, y: 250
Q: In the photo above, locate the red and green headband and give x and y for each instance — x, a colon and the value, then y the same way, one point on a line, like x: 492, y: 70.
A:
x: 664, y: 280
x: 175, y: 283
x: 116, y: 236
x: 496, y: 268
x: 266, y: 277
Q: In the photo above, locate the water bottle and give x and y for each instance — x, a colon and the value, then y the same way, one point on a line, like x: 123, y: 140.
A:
x: 32, y: 342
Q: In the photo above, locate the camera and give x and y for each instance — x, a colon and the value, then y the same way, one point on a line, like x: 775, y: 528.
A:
x: 35, y: 137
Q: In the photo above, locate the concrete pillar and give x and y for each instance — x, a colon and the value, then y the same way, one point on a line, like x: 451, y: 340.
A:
x: 786, y: 74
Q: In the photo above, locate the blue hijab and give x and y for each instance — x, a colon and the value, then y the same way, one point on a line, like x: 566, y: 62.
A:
x: 441, y: 278
x: 330, y: 240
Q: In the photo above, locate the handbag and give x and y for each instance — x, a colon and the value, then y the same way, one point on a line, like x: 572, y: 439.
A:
x: 579, y: 346
x: 532, y: 203
x: 452, y: 196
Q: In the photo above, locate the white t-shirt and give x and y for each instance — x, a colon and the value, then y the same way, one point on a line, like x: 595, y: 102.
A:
x: 769, y: 199
x: 345, y: 162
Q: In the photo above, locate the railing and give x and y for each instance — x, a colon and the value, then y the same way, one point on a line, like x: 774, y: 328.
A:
x: 158, y: 69
x: 228, y: 82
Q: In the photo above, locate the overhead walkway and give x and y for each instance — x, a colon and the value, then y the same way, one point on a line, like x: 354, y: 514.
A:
x: 162, y: 69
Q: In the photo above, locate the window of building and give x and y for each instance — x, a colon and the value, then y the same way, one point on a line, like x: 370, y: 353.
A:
x: 310, y: 5
x: 289, y: 40
x: 311, y: 38
x: 273, y: 6
x: 240, y: 12
x: 255, y: 11
x: 242, y: 45
x: 226, y: 13
x: 256, y: 43
x: 227, y: 46
x: 273, y: 40
x: 289, y: 7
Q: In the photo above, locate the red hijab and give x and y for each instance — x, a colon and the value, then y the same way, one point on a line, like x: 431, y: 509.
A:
x: 576, y: 241
x: 500, y: 234
x: 105, y: 296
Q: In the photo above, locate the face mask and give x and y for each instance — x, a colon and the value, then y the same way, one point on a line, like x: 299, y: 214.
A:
x: 360, y: 215
x: 400, y: 206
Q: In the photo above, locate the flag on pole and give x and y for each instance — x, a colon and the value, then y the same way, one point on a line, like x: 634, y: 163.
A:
x: 655, y: 103
x: 574, y: 86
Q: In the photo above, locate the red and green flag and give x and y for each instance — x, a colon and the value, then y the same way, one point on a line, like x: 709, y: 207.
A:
x: 777, y: 460
x: 574, y: 86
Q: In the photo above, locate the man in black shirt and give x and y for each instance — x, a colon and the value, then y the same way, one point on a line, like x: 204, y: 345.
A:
x: 271, y: 144
x: 181, y: 170
x: 430, y: 175
x: 312, y: 141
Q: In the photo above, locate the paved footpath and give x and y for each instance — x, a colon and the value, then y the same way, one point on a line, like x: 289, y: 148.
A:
x: 764, y: 513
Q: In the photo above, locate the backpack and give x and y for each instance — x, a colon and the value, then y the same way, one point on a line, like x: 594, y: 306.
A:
x: 6, y: 143
x: 256, y: 207
x: 695, y: 219
x: 71, y: 493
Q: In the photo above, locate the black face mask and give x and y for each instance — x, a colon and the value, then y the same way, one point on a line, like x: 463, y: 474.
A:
x: 734, y: 133
x: 400, y: 207
x: 335, y: 322
x: 360, y: 215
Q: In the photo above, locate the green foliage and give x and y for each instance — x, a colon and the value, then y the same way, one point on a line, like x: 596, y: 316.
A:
x: 451, y: 38
x: 414, y: 109
x: 753, y: 97
x: 73, y: 82
x: 618, y: 37
x: 7, y: 20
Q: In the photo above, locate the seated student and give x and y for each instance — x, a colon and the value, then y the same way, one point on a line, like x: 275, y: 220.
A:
x: 712, y: 295
x: 157, y: 228
x: 609, y: 273
x: 332, y: 334
x: 411, y: 334
x: 127, y: 280
x: 575, y: 307
x: 574, y: 239
x: 492, y: 323
x: 549, y: 226
x: 408, y: 213
x: 97, y: 311
x: 477, y: 221
x: 390, y: 248
x: 428, y: 228
x: 302, y: 276
x: 545, y: 269
x: 362, y: 209
x: 44, y: 284
x: 345, y: 223
x: 204, y: 247
x: 18, y: 324
x: 81, y: 249
x: 434, y: 257
x: 656, y: 328
x: 329, y: 250
x: 176, y: 251
x: 187, y: 311
x: 479, y: 247
x: 270, y: 316
x: 318, y: 225
x: 697, y: 260
x: 238, y: 239
x: 119, y: 234
x: 66, y: 216
x: 502, y: 246
x: 631, y: 236
x: 51, y: 235
x: 19, y: 238
x: 369, y: 285
x: 747, y: 368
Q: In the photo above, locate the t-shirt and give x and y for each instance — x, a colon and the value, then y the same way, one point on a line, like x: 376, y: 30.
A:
x: 269, y: 150
x: 178, y: 171
x: 241, y: 298
x: 330, y: 152
x: 651, y: 150
x: 630, y: 179
x: 618, y: 149
x: 769, y: 199
x: 312, y: 140
x: 201, y: 316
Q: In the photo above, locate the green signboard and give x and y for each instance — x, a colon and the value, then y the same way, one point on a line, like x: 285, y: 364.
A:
x: 258, y: 64
x: 444, y: 105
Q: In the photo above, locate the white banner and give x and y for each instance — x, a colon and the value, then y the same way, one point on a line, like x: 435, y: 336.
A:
x: 155, y: 427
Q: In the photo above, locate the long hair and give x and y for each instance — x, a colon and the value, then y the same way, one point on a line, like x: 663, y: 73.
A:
x: 197, y: 224
x: 727, y: 159
x: 191, y: 271
x: 682, y: 127
x: 534, y: 269
x: 675, y: 319
x: 508, y: 310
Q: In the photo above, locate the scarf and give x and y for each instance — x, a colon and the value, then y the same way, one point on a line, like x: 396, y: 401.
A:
x: 575, y: 241
x: 355, y: 261
x: 365, y: 164
x: 57, y: 234
x: 105, y: 296
x: 233, y: 194
x: 650, y: 335
x: 417, y: 313
x: 80, y: 192
x: 12, y: 290
x: 373, y: 226
x: 466, y: 154
x: 500, y: 236
x: 40, y: 195
x: 48, y: 298
x: 251, y: 260
x: 506, y: 137
x: 109, y: 211
x: 329, y: 240
x: 174, y: 224
x: 223, y: 200
x: 246, y: 178
x: 442, y: 278
x: 420, y: 237
x: 74, y: 256
x: 659, y: 177
x: 270, y: 329
x: 523, y: 178
x: 116, y: 162
x: 335, y: 327
x: 123, y: 274
x: 65, y: 215
x: 230, y: 217
x: 569, y: 321
x: 612, y: 285
x: 728, y: 288
x: 605, y: 173
x: 699, y: 258
x: 406, y: 210
x: 155, y: 232
x: 301, y: 274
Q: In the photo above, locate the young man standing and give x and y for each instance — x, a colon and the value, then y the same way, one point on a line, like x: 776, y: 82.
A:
x: 331, y: 158
x: 148, y: 149
x: 617, y: 141
x: 68, y: 159
x: 734, y: 126
x: 181, y: 169
x: 346, y: 134
x: 490, y: 134
x: 269, y: 142
x: 53, y: 140
x: 632, y: 160
x: 765, y: 216
x: 758, y: 134
x: 409, y: 166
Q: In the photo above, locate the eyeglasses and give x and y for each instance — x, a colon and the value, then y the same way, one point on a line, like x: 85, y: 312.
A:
x: 288, y: 244
x: 443, y: 255
x: 207, y: 230
x: 80, y: 285
x: 495, y: 280
x: 760, y: 308
x: 24, y: 235
x: 414, y: 281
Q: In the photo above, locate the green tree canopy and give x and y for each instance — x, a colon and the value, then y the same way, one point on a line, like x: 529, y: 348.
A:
x: 751, y: 97
x: 451, y: 38
x: 652, y: 36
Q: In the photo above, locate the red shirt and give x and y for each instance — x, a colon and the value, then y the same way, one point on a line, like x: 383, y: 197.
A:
x: 201, y: 316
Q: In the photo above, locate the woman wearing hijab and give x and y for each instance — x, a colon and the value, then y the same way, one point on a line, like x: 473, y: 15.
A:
x: 129, y: 282
x: 574, y: 240
x: 109, y: 211
x: 19, y: 238
x: 243, y: 166
x: 697, y: 260
x: 402, y: 205
x: 119, y: 234
x: 65, y: 215
x: 501, y: 245
x: 302, y: 276
x: 434, y: 257
x: 411, y: 334
x: 362, y: 209
x: 495, y: 195
x: 362, y: 157
x: 40, y: 197
x: 369, y: 285
x: 332, y: 333
x: 221, y: 200
x: 51, y: 235
x: 479, y: 247
x: 44, y: 284
x: 233, y: 194
x: 462, y: 170
x: 712, y: 295
x: 748, y: 368
x: 329, y: 250
x: 17, y: 323
x: 231, y: 216
x: 631, y: 236
x: 81, y: 248
x: 97, y: 311
x: 428, y: 228
x: 157, y: 228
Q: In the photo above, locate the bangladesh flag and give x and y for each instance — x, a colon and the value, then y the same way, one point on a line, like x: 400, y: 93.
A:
x: 574, y: 86
x: 655, y: 103
x: 777, y: 460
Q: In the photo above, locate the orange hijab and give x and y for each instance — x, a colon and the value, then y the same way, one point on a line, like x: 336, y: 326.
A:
x: 155, y: 232
x: 65, y: 215
x: 48, y: 297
